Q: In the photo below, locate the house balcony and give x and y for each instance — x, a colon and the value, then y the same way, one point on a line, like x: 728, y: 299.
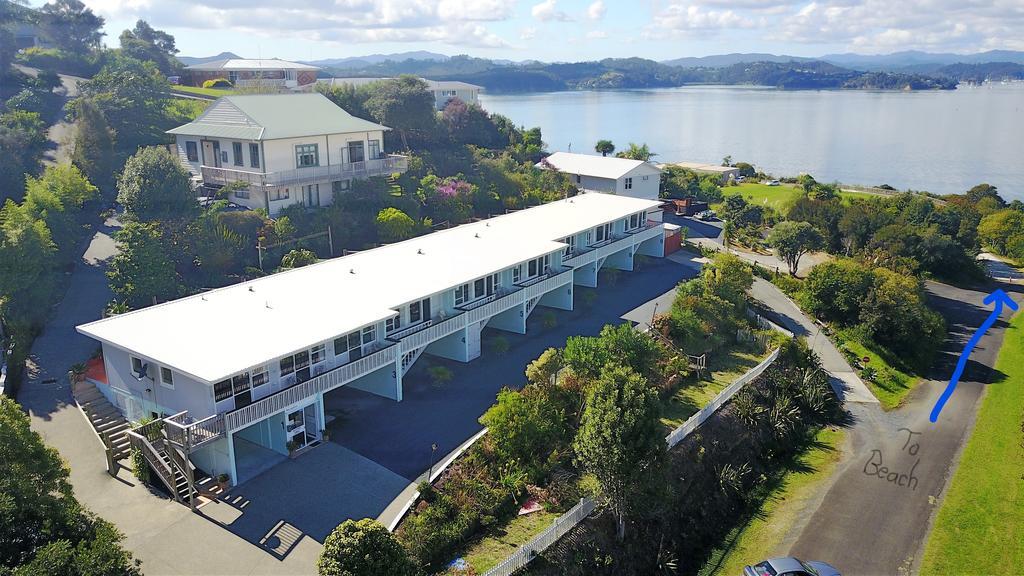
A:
x: 390, y: 164
x: 617, y: 242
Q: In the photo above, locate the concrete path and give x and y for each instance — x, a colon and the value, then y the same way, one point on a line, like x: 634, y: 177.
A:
x: 847, y: 384
x: 60, y: 132
x: 870, y: 522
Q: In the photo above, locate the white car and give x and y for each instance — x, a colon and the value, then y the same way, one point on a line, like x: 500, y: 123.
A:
x: 774, y: 183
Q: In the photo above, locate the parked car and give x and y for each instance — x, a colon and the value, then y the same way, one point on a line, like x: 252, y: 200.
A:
x: 790, y: 567
x: 706, y: 215
x: 774, y: 183
x: 741, y: 178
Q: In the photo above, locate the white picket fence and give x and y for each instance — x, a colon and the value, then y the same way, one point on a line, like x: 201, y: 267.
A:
x: 549, y: 536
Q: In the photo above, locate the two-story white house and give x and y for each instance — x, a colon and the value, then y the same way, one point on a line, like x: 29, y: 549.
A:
x: 608, y: 175
x: 286, y: 148
x: 240, y: 373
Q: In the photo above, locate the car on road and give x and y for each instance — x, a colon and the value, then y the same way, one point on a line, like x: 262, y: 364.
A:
x: 705, y: 215
x: 790, y: 567
x: 774, y: 183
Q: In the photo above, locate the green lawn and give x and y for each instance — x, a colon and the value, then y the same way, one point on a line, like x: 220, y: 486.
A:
x: 194, y: 90
x: 980, y: 527
x: 725, y: 368
x: 892, y: 382
x: 762, y: 537
x: 778, y: 197
x: 502, y: 541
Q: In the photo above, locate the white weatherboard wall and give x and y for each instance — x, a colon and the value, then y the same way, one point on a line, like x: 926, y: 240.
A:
x: 187, y: 394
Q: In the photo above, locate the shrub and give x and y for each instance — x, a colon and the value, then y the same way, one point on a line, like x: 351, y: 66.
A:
x: 440, y: 375
x: 500, y: 345
x: 544, y: 367
x: 549, y: 320
x: 218, y: 83
x: 525, y: 426
x: 363, y: 547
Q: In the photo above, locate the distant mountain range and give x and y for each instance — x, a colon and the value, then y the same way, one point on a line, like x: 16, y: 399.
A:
x: 907, y: 61
x: 910, y: 70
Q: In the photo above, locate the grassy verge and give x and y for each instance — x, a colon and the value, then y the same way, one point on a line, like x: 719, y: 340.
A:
x: 691, y: 396
x: 778, y: 197
x: 980, y: 527
x: 502, y: 541
x: 197, y: 91
x: 762, y: 537
x: 891, y: 382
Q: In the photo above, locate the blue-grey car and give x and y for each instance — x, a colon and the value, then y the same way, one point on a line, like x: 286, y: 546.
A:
x: 790, y: 567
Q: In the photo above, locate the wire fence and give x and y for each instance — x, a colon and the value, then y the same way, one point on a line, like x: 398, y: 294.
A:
x: 542, y: 541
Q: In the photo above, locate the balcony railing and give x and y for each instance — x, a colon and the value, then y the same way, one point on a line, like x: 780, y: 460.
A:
x: 182, y: 430
x: 614, y: 244
x: 548, y: 284
x: 501, y: 293
x: 390, y: 164
x: 264, y: 407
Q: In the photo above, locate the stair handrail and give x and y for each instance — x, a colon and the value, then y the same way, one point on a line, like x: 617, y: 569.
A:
x: 151, y: 455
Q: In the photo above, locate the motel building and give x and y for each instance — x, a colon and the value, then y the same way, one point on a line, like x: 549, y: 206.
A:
x: 237, y: 375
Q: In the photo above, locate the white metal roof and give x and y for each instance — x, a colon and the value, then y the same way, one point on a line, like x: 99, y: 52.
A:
x: 596, y: 166
x: 431, y: 84
x: 251, y: 64
x: 222, y: 332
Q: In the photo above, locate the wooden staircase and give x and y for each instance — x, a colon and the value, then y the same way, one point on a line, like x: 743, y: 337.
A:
x: 107, y: 421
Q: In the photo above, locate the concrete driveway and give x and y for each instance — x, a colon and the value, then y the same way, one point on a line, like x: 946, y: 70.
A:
x: 867, y: 523
x: 398, y: 435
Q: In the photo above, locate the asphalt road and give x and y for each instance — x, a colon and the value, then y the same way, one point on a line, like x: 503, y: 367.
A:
x: 874, y: 521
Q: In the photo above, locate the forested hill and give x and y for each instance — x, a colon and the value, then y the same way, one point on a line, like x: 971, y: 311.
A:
x: 642, y: 73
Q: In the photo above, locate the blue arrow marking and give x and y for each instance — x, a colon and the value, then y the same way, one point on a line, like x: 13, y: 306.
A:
x: 998, y: 298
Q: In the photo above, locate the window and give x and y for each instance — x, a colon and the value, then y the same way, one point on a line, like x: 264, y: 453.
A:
x: 260, y: 376
x: 532, y: 268
x: 318, y: 353
x: 223, y: 156
x: 538, y: 266
x: 137, y: 366
x: 645, y: 178
x: 375, y: 149
x: 629, y: 184
x: 356, y: 152
x: 166, y: 377
x: 478, y: 287
x: 279, y: 194
x: 306, y: 155
x: 415, y: 312
x: 192, y: 151
x: 517, y: 274
x: 634, y: 221
x: 301, y: 360
x: 222, y: 390
x: 462, y: 294
x: 287, y: 365
x: 578, y: 179
x: 236, y: 149
x: 339, y: 186
x: 604, y: 232
x: 241, y: 193
x: 390, y: 325
x: 571, y: 241
x: 347, y: 343
x: 254, y: 155
x: 369, y: 334
x: 241, y: 383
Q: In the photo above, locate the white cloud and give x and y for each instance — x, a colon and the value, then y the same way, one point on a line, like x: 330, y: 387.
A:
x: 547, y: 11
x: 528, y: 33
x: 596, y: 10
x: 596, y: 34
x: 687, y: 17
x: 454, y: 22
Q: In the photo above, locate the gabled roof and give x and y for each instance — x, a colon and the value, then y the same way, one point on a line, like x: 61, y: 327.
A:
x: 222, y: 332
x: 250, y: 64
x: 590, y: 165
x: 273, y: 116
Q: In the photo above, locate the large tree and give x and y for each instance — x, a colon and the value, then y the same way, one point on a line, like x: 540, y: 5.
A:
x: 393, y: 225
x: 142, y: 270
x: 363, y: 548
x: 71, y: 25
x: 56, y: 198
x: 636, y: 152
x: 791, y: 240
x: 154, y: 185
x: 22, y: 138
x: 403, y: 104
x: 143, y: 42
x: 604, y: 147
x: 93, y: 149
x: 620, y: 440
x: 27, y: 257
x: 133, y: 97
x: 43, y: 528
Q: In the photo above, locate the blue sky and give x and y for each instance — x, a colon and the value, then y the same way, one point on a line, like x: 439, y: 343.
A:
x: 571, y: 30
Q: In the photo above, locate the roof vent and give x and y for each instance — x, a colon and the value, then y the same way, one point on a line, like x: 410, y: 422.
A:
x: 477, y: 235
x: 267, y: 305
x: 251, y: 289
x: 419, y: 251
x: 351, y: 270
